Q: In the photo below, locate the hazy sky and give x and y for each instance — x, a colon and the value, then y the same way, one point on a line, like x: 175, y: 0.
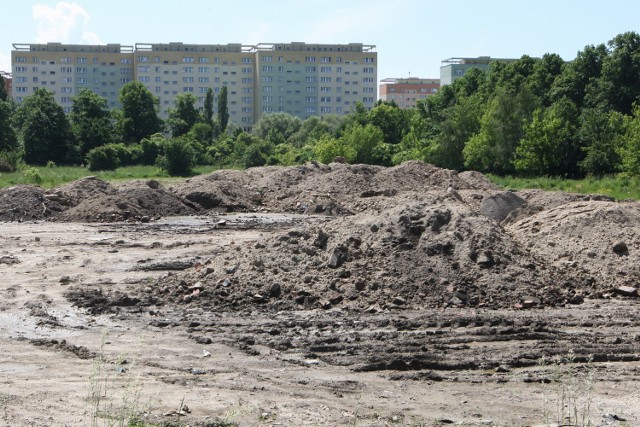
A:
x: 412, y: 36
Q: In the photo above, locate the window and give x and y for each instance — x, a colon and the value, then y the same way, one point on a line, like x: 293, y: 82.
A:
x: 267, y: 78
x: 83, y: 70
x: 367, y: 80
x: 144, y: 79
x: 246, y: 60
x: 367, y: 90
x: 267, y: 89
x: 202, y: 89
x: 247, y: 80
x: 81, y: 60
x: 187, y: 69
x: 157, y: 79
x: 125, y: 80
x: 144, y: 68
x: 247, y: 100
x: 247, y: 70
x: 65, y: 99
x: 325, y: 99
x: 310, y: 89
x: 187, y: 89
x: 22, y: 79
x: 21, y: 59
x: 21, y: 69
x: 310, y: 79
x: 82, y: 80
x: 325, y: 59
x: 203, y: 69
x: 158, y: 89
x: 325, y: 109
x: 125, y: 70
x: 325, y: 79
x: 187, y: 59
x: 368, y: 70
x: 21, y: 89
x: 310, y: 99
x: 187, y: 80
x: 311, y: 109
x: 267, y: 98
x: 35, y: 79
x: 267, y: 109
x: 67, y: 90
x: 143, y: 58
x: 325, y: 89
x: 368, y: 60
x: 123, y: 61
x: 267, y: 68
x: 203, y: 80
x: 310, y: 59
x: 338, y: 69
x: 310, y: 69
x: 65, y: 60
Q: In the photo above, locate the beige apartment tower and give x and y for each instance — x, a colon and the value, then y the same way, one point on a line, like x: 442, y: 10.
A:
x: 297, y: 78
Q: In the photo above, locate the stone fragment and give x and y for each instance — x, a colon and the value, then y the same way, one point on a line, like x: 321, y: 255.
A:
x: 620, y: 248
x: 627, y: 291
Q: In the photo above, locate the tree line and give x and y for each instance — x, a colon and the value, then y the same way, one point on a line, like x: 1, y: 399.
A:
x: 532, y: 117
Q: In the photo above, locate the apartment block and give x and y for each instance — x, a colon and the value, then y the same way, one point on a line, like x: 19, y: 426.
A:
x: 406, y: 92
x: 453, y: 68
x: 297, y: 78
x: 66, y: 69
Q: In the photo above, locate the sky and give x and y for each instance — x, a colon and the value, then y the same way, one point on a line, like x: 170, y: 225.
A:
x: 412, y: 37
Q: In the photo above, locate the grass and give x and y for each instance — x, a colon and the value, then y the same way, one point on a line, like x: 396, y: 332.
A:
x: 49, y: 177
x: 617, y: 186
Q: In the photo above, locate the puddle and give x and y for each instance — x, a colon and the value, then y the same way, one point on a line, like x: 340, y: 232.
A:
x: 19, y: 368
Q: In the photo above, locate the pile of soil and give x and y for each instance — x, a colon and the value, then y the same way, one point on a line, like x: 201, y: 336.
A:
x: 411, y: 236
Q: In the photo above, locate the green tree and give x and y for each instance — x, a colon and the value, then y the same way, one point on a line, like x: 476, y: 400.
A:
x: 493, y: 148
x: 461, y: 122
x: 630, y: 152
x: 4, y: 96
x: 282, y: 124
x: 392, y: 121
x: 208, y: 106
x: 8, y: 137
x: 601, y: 135
x: 620, y: 83
x: 44, y: 129
x: 139, y: 112
x: 223, y: 109
x: 367, y: 143
x: 184, y: 115
x: 179, y: 156
x: 91, y: 121
x: 549, y: 145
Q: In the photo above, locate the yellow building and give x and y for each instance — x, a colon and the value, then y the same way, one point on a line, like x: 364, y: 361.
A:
x: 297, y: 78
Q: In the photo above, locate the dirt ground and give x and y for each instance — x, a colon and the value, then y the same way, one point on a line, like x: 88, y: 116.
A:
x: 318, y: 295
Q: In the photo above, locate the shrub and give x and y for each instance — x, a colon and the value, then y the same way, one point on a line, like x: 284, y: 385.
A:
x: 179, y: 156
x: 103, y: 158
x: 151, y: 148
x: 9, y: 161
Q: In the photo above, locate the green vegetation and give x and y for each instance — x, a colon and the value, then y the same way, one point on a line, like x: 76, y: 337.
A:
x: 527, y: 118
x: 53, y: 177
x: 619, y: 187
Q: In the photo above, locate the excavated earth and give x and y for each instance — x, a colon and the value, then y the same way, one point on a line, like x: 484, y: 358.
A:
x: 318, y: 295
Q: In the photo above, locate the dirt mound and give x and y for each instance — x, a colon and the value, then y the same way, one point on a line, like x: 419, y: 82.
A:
x: 135, y: 200
x: 425, y: 252
x: 595, y: 241
x: 27, y: 203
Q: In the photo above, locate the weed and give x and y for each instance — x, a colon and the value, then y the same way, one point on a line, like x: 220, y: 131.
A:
x: 573, y: 388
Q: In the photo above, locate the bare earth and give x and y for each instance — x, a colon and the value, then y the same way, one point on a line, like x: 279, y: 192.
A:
x: 318, y: 295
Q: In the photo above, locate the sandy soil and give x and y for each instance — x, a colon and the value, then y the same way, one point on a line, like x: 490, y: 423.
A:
x: 317, y: 295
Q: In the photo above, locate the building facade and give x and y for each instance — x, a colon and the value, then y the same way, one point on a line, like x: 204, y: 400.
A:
x: 453, y: 68
x: 297, y: 78
x: 406, y: 92
x: 67, y: 69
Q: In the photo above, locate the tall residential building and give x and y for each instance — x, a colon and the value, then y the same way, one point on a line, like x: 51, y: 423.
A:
x: 297, y: 78
x: 406, y: 92
x: 66, y: 69
x: 453, y: 68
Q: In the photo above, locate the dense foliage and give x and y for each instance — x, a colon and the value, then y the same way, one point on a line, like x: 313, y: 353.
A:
x: 530, y: 117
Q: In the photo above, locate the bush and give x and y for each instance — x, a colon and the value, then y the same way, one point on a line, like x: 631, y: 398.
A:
x: 179, y: 156
x: 151, y: 148
x: 9, y: 161
x: 103, y: 158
